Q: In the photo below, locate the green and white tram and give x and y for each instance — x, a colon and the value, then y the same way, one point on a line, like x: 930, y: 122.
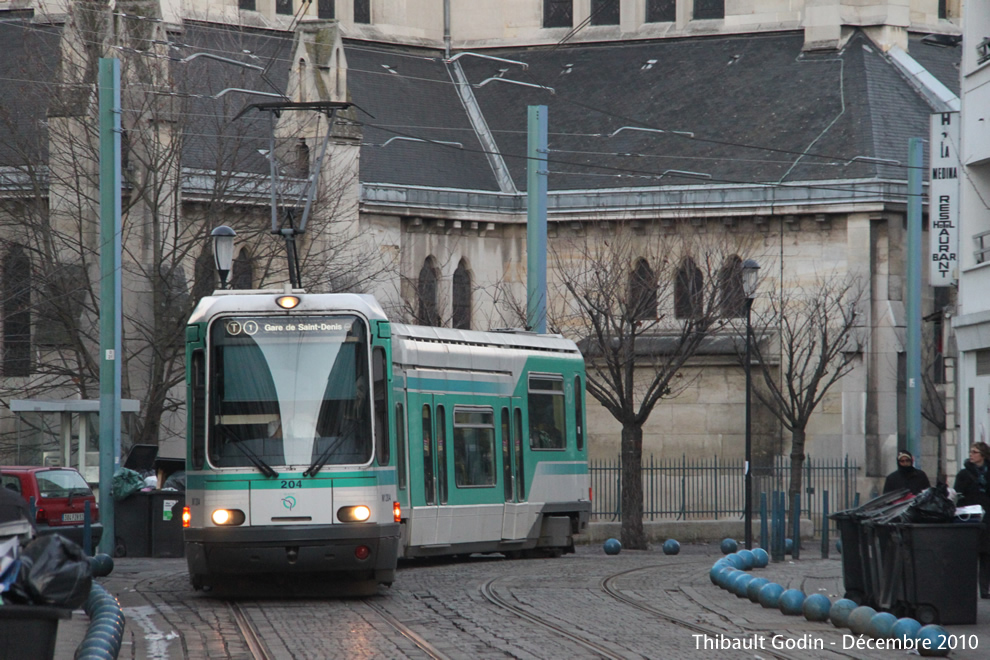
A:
x: 325, y: 441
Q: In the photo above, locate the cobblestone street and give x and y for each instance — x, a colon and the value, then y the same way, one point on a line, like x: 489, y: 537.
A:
x: 633, y: 605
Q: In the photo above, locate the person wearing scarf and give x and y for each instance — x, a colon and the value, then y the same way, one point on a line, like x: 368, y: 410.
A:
x: 906, y: 476
x: 973, y: 485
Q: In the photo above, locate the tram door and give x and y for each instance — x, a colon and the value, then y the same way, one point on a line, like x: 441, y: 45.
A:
x: 515, y: 519
x: 428, y: 459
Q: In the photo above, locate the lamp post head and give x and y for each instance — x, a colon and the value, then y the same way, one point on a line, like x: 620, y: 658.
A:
x: 223, y: 251
x: 750, y: 278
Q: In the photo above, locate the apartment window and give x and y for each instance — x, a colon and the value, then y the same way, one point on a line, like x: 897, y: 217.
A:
x: 242, y: 271
x: 16, y: 313
x: 642, y: 292
x: 427, y: 290
x: 661, y: 11
x: 283, y: 7
x: 247, y: 5
x: 708, y: 9
x: 325, y: 9
x: 462, y: 297
x: 604, y: 12
x: 362, y: 11
x: 558, y: 13
x: 688, y: 295
x: 732, y: 297
x: 983, y: 362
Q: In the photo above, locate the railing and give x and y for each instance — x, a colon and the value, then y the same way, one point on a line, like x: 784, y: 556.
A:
x: 704, y: 489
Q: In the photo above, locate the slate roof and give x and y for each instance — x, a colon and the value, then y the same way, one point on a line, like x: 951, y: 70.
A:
x: 734, y: 93
x: 759, y: 109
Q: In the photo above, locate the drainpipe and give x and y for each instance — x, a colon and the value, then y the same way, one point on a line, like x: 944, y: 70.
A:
x: 446, y: 29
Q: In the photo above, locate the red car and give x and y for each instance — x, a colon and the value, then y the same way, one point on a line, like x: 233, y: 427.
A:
x: 59, y: 497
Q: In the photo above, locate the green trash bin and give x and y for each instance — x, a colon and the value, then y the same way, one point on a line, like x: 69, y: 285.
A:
x: 29, y: 631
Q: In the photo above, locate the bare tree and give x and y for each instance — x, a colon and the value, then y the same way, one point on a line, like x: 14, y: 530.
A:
x: 188, y: 167
x: 641, y: 304
x: 804, y: 341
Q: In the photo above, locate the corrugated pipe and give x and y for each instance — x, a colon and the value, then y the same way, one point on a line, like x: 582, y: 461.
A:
x: 106, y: 619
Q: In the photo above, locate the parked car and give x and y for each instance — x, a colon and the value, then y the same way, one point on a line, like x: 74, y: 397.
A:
x: 59, y: 496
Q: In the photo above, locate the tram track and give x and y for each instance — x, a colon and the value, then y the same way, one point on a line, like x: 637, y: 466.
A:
x: 406, y: 632
x: 607, y: 585
x: 490, y: 594
x: 249, y: 632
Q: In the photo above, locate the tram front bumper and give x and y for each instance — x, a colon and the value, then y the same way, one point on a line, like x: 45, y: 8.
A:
x: 291, y: 549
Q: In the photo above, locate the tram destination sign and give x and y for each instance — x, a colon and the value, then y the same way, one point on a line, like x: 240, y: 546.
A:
x: 943, y: 199
x: 274, y: 326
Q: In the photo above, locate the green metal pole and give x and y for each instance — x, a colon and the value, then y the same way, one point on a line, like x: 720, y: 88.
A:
x: 110, y: 255
x: 536, y: 219
x: 913, y: 320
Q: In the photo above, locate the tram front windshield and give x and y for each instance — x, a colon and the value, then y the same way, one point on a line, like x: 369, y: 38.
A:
x: 289, y: 391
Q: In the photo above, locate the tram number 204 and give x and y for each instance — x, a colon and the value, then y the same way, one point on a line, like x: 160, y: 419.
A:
x: 291, y: 483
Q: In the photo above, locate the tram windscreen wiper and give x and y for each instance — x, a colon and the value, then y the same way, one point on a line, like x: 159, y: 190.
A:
x: 256, y: 461
x: 322, y: 459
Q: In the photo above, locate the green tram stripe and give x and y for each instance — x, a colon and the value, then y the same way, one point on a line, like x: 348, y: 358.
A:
x: 442, y: 385
x: 225, y: 481
x: 577, y: 467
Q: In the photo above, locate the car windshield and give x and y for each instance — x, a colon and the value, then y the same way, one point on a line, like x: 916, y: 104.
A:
x: 289, y: 391
x: 62, y: 483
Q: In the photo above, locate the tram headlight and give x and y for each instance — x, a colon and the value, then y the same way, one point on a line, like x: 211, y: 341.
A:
x: 358, y: 513
x: 227, y: 517
x: 287, y: 302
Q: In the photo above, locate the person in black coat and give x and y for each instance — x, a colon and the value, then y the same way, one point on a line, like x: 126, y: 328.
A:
x: 906, y: 475
x: 973, y: 485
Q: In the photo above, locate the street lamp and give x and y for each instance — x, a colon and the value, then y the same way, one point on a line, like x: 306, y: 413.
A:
x: 223, y: 251
x: 750, y: 280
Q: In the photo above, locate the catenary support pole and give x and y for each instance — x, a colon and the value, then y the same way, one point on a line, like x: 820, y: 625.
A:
x: 913, y: 321
x: 536, y: 219
x: 110, y: 298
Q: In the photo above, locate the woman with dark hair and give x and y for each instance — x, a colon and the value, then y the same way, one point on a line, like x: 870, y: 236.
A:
x: 973, y: 484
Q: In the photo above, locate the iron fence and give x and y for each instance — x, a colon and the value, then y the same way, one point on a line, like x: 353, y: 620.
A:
x: 710, y: 489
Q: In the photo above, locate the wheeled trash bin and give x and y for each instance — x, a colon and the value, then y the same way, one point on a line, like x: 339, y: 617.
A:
x: 936, y: 566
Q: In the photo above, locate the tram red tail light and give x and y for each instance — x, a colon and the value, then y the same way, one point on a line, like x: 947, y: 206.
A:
x: 362, y: 552
x: 186, y: 516
x: 396, y: 512
x: 590, y: 495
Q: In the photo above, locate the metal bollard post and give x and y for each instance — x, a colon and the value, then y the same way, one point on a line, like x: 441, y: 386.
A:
x: 764, y: 532
x: 87, y: 538
x: 796, y: 531
x: 825, y: 543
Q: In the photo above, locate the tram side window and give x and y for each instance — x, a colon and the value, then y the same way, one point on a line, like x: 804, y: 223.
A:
x: 547, y: 429
x: 579, y: 412
x: 506, y: 456
x: 198, y: 413
x: 442, y: 454
x: 381, y: 409
x: 400, y: 445
x: 520, y: 461
x: 428, y: 485
x: 474, y: 447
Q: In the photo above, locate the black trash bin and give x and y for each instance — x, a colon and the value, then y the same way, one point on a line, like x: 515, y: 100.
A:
x: 166, y: 523
x: 934, y: 568
x: 132, y: 526
x: 29, y: 631
x: 859, y: 550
